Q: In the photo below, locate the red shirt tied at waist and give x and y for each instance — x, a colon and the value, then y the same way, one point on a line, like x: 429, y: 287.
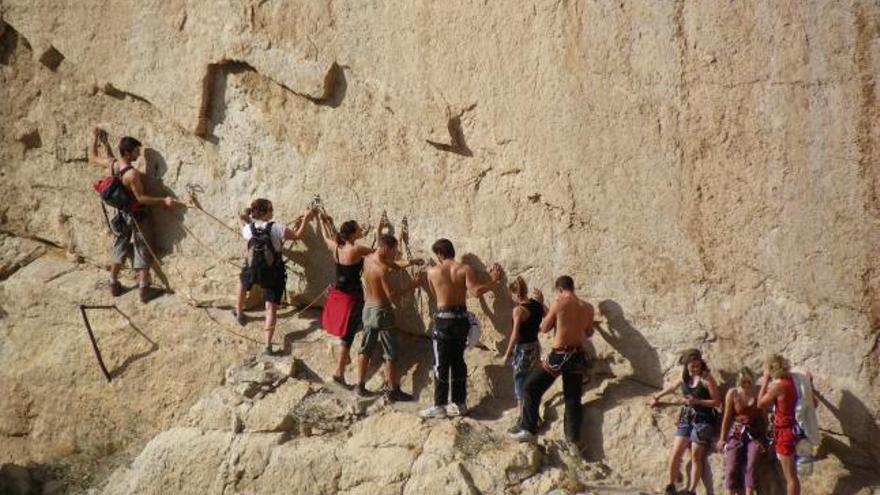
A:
x: 337, y: 311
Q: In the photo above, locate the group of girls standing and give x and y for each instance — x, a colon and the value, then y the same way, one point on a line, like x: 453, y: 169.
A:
x: 745, y: 434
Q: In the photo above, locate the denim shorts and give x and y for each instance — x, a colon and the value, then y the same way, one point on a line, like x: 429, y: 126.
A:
x: 698, y: 433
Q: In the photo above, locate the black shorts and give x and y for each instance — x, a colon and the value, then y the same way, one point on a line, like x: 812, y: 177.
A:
x: 355, y: 323
x: 270, y: 294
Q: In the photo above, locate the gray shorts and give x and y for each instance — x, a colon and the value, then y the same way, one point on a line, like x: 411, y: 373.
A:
x: 128, y: 242
x: 378, y: 329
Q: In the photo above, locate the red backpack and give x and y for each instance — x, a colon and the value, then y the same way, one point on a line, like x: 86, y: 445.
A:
x: 114, y: 193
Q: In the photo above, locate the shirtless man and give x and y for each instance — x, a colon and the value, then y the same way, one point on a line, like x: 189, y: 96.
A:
x: 133, y: 223
x: 449, y: 283
x: 572, y: 318
x: 378, y: 316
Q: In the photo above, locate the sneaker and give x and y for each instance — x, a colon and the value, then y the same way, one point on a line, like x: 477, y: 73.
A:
x: 398, y: 395
x: 268, y: 350
x: 522, y: 436
x: 115, y: 288
x: 240, y: 318
x: 456, y: 410
x: 513, y: 429
x: 670, y: 490
x: 433, y: 412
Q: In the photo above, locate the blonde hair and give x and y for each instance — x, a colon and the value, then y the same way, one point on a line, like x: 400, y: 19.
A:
x: 745, y: 373
x: 777, y: 366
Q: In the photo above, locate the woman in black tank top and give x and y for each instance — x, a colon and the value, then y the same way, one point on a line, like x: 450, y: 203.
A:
x: 348, y: 280
x: 696, y: 422
x: 523, y: 350
x: 348, y: 277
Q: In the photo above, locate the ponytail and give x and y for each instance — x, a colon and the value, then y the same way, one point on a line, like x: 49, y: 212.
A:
x: 346, y: 231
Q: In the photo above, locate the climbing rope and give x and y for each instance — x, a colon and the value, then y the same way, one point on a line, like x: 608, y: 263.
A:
x: 208, y: 248
x: 192, y: 190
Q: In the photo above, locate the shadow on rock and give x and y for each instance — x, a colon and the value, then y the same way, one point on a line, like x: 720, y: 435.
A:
x: 859, y: 451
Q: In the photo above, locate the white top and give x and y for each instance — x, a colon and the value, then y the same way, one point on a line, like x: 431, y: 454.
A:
x: 805, y: 408
x: 277, y: 233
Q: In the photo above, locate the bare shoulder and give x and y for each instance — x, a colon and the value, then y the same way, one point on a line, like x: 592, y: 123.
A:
x: 363, y: 250
x: 132, y: 175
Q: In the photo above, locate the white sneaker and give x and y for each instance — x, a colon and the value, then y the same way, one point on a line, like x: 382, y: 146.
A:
x: 433, y: 412
x: 456, y: 410
x: 522, y: 436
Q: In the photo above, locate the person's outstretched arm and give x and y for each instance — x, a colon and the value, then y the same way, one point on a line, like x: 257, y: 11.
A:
x: 327, y: 232
x: 654, y: 400
x: 299, y: 233
x: 137, y: 188
x: 99, y: 136
x: 477, y: 289
x: 393, y: 294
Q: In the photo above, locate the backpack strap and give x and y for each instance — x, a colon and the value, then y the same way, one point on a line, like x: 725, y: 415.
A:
x: 269, y: 231
x: 121, y: 171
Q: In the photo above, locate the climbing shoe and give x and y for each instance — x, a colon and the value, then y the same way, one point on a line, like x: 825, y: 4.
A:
x: 398, y: 395
x: 115, y: 288
x: 361, y: 391
x: 240, y: 318
x: 147, y: 294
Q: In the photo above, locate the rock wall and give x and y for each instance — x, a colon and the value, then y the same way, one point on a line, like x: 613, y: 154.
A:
x: 707, y: 171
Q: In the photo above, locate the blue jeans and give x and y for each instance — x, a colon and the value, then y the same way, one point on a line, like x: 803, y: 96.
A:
x: 525, y: 357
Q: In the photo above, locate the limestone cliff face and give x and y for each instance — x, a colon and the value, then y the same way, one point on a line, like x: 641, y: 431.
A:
x: 707, y: 171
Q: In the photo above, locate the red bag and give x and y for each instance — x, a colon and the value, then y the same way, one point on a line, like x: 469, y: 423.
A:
x: 114, y: 193
x: 337, y: 312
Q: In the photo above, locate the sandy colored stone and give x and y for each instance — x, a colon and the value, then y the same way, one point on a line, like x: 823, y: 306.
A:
x: 706, y: 171
x: 273, y: 412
